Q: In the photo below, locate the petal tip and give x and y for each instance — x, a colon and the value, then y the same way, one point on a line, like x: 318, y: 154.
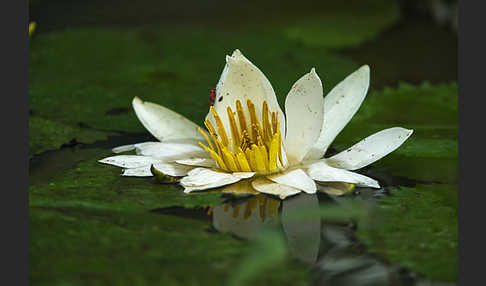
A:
x: 365, y: 68
x: 137, y: 102
x: 236, y: 53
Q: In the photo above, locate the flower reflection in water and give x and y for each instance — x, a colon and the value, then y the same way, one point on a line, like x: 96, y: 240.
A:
x: 328, y: 248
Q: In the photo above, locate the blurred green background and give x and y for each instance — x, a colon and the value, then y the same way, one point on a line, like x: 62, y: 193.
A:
x: 88, y: 59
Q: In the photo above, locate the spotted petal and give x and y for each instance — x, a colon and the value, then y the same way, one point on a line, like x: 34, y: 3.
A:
x: 170, y: 151
x: 304, y: 107
x: 370, y: 149
x: 129, y: 161
x: 242, y: 80
x: 138, y: 172
x: 340, y: 105
x: 163, y: 123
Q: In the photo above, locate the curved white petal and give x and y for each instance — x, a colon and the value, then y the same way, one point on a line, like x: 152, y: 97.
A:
x: 243, y: 175
x: 202, y: 179
x: 123, y: 148
x: 242, y: 80
x: 304, y: 107
x: 129, y: 161
x: 171, y: 151
x: 138, y: 172
x: 266, y: 186
x: 304, y: 234
x: 322, y: 172
x: 198, y: 162
x: 370, y: 149
x: 173, y: 169
x: 296, y: 178
x: 340, y: 105
x: 163, y: 123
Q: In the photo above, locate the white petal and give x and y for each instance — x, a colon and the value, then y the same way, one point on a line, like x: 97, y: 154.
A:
x: 173, y: 169
x: 129, y: 161
x: 242, y: 80
x: 202, y: 179
x: 304, y: 107
x: 199, y: 162
x: 123, y: 148
x: 303, y: 235
x: 138, y: 172
x: 295, y: 178
x: 171, y: 151
x: 243, y: 175
x: 164, y: 123
x: 370, y: 149
x: 266, y: 186
x: 340, y: 105
x: 322, y: 172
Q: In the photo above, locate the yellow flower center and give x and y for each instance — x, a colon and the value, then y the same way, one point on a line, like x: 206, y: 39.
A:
x: 254, y: 148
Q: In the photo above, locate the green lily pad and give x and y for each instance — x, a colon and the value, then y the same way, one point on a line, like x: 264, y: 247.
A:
x: 348, y: 25
x: 45, y: 134
x: 417, y: 228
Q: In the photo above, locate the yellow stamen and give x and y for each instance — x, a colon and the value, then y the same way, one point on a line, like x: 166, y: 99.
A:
x: 241, y: 117
x: 267, y: 128
x: 274, y: 121
x: 273, y: 153
x: 213, y: 134
x: 245, y: 140
x: 256, y: 128
x: 235, y: 135
x: 229, y: 160
x: 256, y: 147
x: 250, y: 158
x: 243, y: 162
x: 260, y: 164
x: 220, y: 126
x: 215, y: 157
x: 279, y: 141
x: 206, y: 137
x: 264, y: 153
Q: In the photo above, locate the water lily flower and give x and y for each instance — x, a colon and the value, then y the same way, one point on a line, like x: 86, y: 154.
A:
x: 250, y: 144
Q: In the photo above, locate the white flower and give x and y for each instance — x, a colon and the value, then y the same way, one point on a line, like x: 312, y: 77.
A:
x: 249, y: 138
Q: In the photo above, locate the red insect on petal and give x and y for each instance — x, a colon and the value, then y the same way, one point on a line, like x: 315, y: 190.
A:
x: 212, y: 97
